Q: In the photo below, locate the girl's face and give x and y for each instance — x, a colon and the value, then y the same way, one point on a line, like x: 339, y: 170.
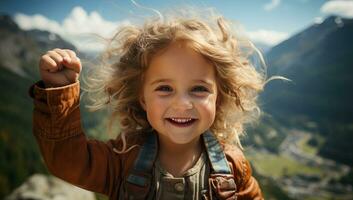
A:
x: 179, y: 94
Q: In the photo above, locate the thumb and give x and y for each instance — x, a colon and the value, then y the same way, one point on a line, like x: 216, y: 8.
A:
x: 73, y: 64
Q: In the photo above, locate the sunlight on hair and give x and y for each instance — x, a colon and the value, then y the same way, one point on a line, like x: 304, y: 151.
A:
x: 117, y: 82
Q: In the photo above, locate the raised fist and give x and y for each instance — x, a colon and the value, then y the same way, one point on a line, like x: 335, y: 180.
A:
x: 59, y: 67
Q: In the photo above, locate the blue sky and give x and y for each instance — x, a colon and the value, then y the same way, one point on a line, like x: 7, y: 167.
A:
x: 266, y: 21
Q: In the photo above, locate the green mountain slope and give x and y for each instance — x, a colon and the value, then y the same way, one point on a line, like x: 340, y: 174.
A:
x: 319, y: 61
x: 19, y: 55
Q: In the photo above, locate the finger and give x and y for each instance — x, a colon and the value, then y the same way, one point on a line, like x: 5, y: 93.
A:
x: 66, y: 57
x: 71, y: 61
x: 57, y: 58
x: 47, y: 63
x: 71, y: 76
x: 74, y: 65
x: 71, y: 53
x: 74, y: 59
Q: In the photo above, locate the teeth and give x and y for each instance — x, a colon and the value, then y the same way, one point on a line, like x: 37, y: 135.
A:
x: 184, y: 120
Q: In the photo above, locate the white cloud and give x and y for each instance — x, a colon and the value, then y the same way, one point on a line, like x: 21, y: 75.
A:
x: 267, y: 37
x: 37, y: 22
x: 79, y: 27
x: 318, y: 20
x: 338, y: 7
x: 272, y: 5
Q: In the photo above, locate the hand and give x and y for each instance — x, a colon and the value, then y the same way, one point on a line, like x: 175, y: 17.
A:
x: 59, y: 67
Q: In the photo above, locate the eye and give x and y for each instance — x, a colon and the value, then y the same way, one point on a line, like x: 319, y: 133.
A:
x: 200, y: 88
x: 164, y: 88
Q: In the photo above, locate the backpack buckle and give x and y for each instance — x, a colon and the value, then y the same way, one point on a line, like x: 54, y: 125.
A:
x: 222, y: 186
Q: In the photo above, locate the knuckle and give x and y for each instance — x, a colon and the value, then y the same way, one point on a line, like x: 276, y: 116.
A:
x: 43, y: 57
x: 71, y: 52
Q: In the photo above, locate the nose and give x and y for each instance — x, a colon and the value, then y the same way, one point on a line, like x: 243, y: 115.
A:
x: 182, y: 102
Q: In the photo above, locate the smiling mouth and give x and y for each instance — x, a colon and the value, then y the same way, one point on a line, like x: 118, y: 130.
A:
x: 181, y: 122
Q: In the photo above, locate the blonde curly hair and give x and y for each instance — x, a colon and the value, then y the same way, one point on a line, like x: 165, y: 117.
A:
x: 119, y: 81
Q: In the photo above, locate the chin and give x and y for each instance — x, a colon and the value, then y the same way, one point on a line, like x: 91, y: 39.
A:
x: 182, y: 140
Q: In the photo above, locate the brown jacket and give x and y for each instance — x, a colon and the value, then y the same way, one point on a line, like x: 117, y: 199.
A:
x: 93, y: 165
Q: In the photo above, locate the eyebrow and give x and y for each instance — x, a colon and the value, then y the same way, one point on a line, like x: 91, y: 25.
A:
x: 204, y: 81
x: 160, y: 80
x: 170, y: 80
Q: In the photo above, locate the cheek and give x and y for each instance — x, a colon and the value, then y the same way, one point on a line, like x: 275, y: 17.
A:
x: 155, y: 102
x: 155, y: 108
x: 208, y: 107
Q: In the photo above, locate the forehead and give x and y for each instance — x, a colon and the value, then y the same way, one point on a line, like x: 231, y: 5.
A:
x: 179, y: 61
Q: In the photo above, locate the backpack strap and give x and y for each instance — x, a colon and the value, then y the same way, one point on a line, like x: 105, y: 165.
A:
x: 215, y: 154
x: 138, y: 181
x: 221, y: 181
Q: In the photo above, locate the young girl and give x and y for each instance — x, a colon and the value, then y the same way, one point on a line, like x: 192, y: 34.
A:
x: 182, y: 88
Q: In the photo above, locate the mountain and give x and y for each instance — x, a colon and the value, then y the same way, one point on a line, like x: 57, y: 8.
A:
x: 19, y: 57
x: 264, y: 48
x: 39, y: 186
x: 319, y: 61
x: 19, y: 48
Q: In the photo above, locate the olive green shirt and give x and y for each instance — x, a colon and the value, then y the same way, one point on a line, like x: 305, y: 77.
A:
x: 190, y: 186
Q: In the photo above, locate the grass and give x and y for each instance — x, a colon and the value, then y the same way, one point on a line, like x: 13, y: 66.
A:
x: 277, y: 166
x: 305, y: 147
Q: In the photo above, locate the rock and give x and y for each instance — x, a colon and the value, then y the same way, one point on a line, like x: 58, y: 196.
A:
x: 42, y: 187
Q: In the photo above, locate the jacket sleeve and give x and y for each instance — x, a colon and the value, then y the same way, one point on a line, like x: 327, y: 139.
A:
x: 67, y: 153
x: 247, y: 186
